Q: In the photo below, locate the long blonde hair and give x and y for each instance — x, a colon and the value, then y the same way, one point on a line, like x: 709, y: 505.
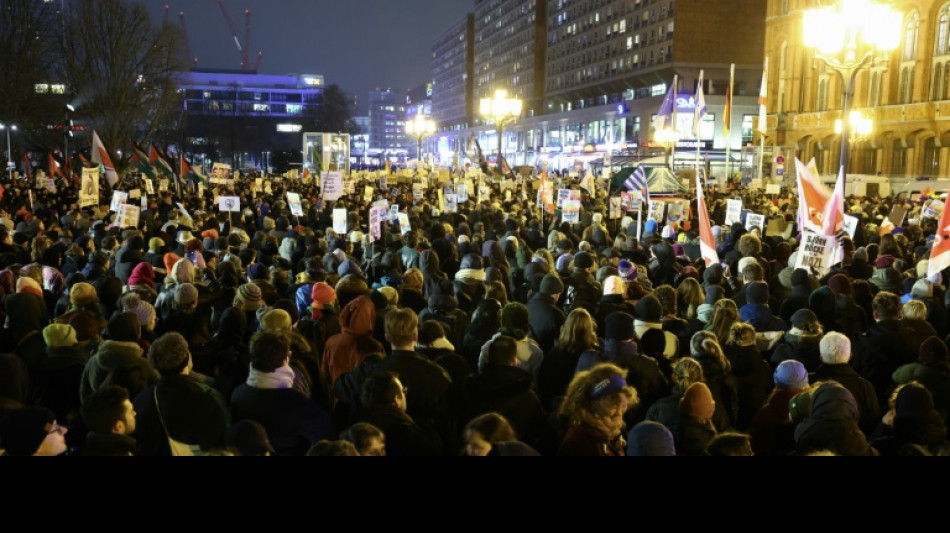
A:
x: 579, y: 332
x: 725, y: 314
x: 690, y: 296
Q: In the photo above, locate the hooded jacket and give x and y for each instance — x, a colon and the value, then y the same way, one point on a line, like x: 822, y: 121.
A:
x: 27, y: 315
x: 127, y: 259
x: 862, y: 392
x: 879, y: 352
x: 432, y: 275
x: 935, y: 379
x: 753, y: 380
x: 113, y: 355
x: 761, y: 318
x: 546, y: 320
x: 508, y: 391
x: 833, y: 424
x: 343, y: 352
x: 444, y: 309
x: 799, y: 346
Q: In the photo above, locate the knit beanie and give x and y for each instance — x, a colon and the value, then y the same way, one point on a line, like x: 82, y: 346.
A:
x: 143, y: 274
x: 627, y: 270
x: 250, y: 294
x: 183, y: 271
x: 923, y: 289
x: 698, y: 402
x: 614, y: 286
x: 564, y: 263
x: 714, y: 293
x: 29, y: 285
x: 83, y: 294
x: 650, y: 439
x: 322, y: 294
x: 649, y: 309
x: 551, y: 285
x: 583, y: 260
x: 619, y: 327
x: 155, y: 244
x: 276, y: 319
x: 757, y: 292
x: 514, y: 321
x: 170, y: 259
x: 257, y: 271
x: 840, y: 284
x: 799, y: 277
x: 933, y: 352
x: 124, y: 327
x: 59, y: 335
x: 186, y: 294
x: 803, y: 318
x: 24, y: 430
x: 791, y: 374
x: 144, y: 311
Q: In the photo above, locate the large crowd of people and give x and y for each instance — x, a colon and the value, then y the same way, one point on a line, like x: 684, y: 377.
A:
x: 494, y: 329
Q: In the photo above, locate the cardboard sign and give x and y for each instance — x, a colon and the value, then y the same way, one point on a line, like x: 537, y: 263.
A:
x: 89, y: 192
x: 128, y: 216
x: 229, y: 204
x: 149, y: 186
x: 817, y: 253
x: 332, y: 186
x: 118, y: 199
x: 571, y: 212
x: 850, y: 225
x: 220, y: 174
x: 339, y: 221
x: 404, y: 225
x: 657, y: 210
x: 753, y: 220
x: 733, y: 212
x: 616, y: 208
x: 293, y: 200
x: 675, y: 212
x: 451, y: 203
x: 773, y: 189
x: 897, y: 216
x: 135, y: 194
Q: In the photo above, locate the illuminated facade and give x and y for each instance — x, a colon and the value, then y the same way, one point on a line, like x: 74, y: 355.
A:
x: 907, y: 95
x: 387, y: 123
x: 453, y: 57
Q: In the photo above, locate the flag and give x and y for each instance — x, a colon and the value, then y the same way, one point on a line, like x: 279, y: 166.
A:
x: 764, y: 99
x: 813, y: 197
x: 85, y: 162
x: 727, y: 113
x: 699, y: 112
x: 546, y: 200
x: 139, y: 160
x: 101, y: 157
x: 188, y: 173
x: 940, y: 254
x: 707, y: 243
x: 638, y: 182
x: 27, y: 167
x: 664, y: 117
x: 53, y: 166
x: 505, y: 169
x: 156, y: 161
x: 833, y: 218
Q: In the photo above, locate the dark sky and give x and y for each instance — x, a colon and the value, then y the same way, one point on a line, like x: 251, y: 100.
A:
x: 358, y: 44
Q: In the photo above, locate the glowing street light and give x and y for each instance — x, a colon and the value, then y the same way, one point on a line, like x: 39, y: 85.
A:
x: 668, y: 138
x: 501, y: 110
x: 10, y: 164
x: 860, y: 126
x: 420, y: 128
x: 835, y: 32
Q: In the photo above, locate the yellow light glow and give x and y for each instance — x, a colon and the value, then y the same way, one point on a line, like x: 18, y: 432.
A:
x: 501, y: 108
x: 665, y: 136
x: 861, y: 126
x: 830, y: 29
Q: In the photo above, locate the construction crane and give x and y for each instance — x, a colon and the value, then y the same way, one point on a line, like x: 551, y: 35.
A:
x: 192, y: 61
x: 234, y: 35
x: 166, y: 13
x: 247, y: 39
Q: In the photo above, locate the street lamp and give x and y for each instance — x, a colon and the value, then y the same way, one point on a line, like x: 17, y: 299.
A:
x: 9, y: 151
x: 501, y: 110
x: 67, y: 133
x: 835, y: 31
x: 668, y: 138
x: 420, y: 128
x: 859, y: 126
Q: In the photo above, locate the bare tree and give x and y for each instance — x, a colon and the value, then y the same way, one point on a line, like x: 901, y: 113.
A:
x: 123, y: 70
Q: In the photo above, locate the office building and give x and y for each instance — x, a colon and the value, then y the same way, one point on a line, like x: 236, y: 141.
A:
x: 453, y: 58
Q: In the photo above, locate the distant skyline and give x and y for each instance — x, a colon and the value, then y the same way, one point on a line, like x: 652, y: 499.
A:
x: 360, y: 45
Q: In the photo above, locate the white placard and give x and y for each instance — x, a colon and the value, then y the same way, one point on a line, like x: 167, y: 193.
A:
x: 375, y: 219
x: 293, y: 200
x: 756, y: 184
x: 332, y: 183
x: 733, y: 212
x: 229, y: 204
x: 404, y: 223
x: 657, y: 210
x: 571, y: 212
x: 149, y: 186
x: 89, y: 192
x: 220, y: 174
x: 383, y: 184
x: 394, y: 212
x: 144, y: 201
x: 563, y: 195
x: 753, y: 220
x: 675, y: 211
x: 128, y: 216
x: 451, y: 203
x: 118, y: 198
x: 135, y: 194
x: 484, y: 193
x: 616, y: 210
x: 817, y: 253
x: 773, y: 189
x: 339, y: 221
x: 162, y: 185
x: 850, y: 225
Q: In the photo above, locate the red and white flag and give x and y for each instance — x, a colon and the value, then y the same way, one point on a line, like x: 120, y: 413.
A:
x: 707, y: 243
x: 940, y: 254
x: 101, y: 157
x: 813, y: 198
x: 833, y: 217
x: 764, y: 99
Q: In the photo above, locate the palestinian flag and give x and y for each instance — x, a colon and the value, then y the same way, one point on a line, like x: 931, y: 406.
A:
x: 53, y: 166
x: 156, y: 161
x: 140, y: 160
x: 188, y: 174
x: 100, y: 156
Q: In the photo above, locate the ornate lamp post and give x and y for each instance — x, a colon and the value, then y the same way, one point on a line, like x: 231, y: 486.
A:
x: 420, y: 128
x: 501, y: 110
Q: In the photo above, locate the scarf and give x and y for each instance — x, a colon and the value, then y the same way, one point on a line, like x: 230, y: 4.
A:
x: 282, y: 378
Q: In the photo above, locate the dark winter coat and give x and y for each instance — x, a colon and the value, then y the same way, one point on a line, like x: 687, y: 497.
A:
x: 799, y: 346
x: 879, y: 352
x: 753, y: 381
x: 935, y: 379
x: 293, y: 422
x: 724, y: 388
x: 56, y: 380
x: 862, y: 392
x: 772, y: 432
x: 111, y: 356
x: 832, y: 425
x: 508, y: 390
x: 193, y: 413
x: 546, y: 320
x: 692, y: 436
x: 404, y: 438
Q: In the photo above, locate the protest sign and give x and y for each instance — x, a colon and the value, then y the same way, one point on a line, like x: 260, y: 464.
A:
x: 451, y: 203
x: 850, y: 225
x: 128, y: 216
x: 118, y: 198
x: 144, y: 203
x: 897, y: 216
x: 675, y: 211
x: 89, y: 192
x: 733, y: 212
x: 220, y: 174
x: 339, y: 222
x: 753, y: 220
x: 616, y: 210
x: 563, y: 195
x: 135, y: 194
x: 773, y: 189
x: 394, y: 212
x: 383, y: 184
x: 404, y: 224
x: 367, y: 194
x: 570, y: 212
x: 657, y: 210
x: 816, y: 253
x: 162, y: 185
x: 461, y: 190
x: 229, y: 204
x: 149, y: 186
x: 332, y: 186
x: 484, y: 193
x: 375, y: 219
x: 756, y: 184
x: 293, y: 200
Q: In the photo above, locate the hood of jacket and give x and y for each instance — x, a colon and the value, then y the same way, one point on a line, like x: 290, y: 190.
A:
x: 759, y: 315
x: 705, y: 313
x: 832, y: 401
x: 25, y: 313
x: 802, y: 340
x: 744, y: 359
x: 442, y: 304
x: 116, y: 354
x: 429, y: 264
x: 358, y: 317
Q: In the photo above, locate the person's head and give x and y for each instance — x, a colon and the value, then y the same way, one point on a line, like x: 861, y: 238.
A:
x: 601, y: 396
x: 109, y: 410
x: 666, y: 294
x: 368, y: 439
x: 402, y: 329
x: 730, y: 444
x: 169, y: 355
x: 333, y: 448
x: 650, y: 439
x: 690, y: 293
x: 503, y: 351
x: 742, y: 334
x: 725, y: 314
x: 791, y: 375
x: 270, y: 350
x: 915, y: 310
x: 753, y: 272
x: 249, y: 438
x: 32, y: 431
x: 384, y: 389
x: 887, y: 306
x: 579, y: 332
x: 835, y: 349
x: 750, y: 245
x: 552, y: 286
x: 484, y: 430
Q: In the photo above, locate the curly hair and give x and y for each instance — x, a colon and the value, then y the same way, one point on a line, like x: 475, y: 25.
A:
x: 725, y: 314
x: 741, y: 334
x: 705, y: 344
x: 579, y: 407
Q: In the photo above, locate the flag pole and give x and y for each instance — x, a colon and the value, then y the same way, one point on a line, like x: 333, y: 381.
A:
x: 729, y: 97
x: 763, y: 110
x: 673, y: 126
x: 696, y: 117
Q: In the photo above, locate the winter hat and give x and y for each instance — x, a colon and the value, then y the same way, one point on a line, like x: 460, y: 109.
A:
x: 551, y: 285
x: 698, y: 402
x: 257, y: 271
x: 679, y: 250
x: 144, y: 311
x: 83, y: 294
x: 391, y: 294
x: 650, y: 226
x: 24, y: 430
x: 923, y: 289
x: 757, y: 292
x: 933, y: 352
x: 183, y: 271
x: 350, y: 267
x: 650, y: 439
x: 86, y: 326
x: 250, y: 294
x: 614, y: 285
x: 713, y: 274
x: 564, y: 262
x: 803, y: 318
x: 914, y: 402
x: 155, y: 244
x: 627, y: 271
x: 885, y: 261
x: 186, y: 294
x: 799, y: 407
x: 649, y: 309
x: 923, y: 268
x: 619, y: 327
x: 714, y: 293
x: 143, y: 274
x: 791, y: 374
x: 514, y: 321
x: 29, y: 285
x: 170, y: 259
x: 799, y: 277
x: 840, y: 284
x: 861, y: 254
x: 669, y: 233
x: 583, y: 260
x: 59, y: 336
x: 653, y: 342
x: 124, y: 327
x: 322, y: 294
x: 277, y: 319
x: 605, y: 388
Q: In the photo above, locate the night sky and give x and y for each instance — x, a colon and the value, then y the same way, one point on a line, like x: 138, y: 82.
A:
x: 358, y: 44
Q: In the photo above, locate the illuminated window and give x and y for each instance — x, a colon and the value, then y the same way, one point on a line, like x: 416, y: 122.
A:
x: 58, y: 88
x: 262, y: 108
x: 289, y: 128
x: 294, y: 109
x: 41, y: 88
